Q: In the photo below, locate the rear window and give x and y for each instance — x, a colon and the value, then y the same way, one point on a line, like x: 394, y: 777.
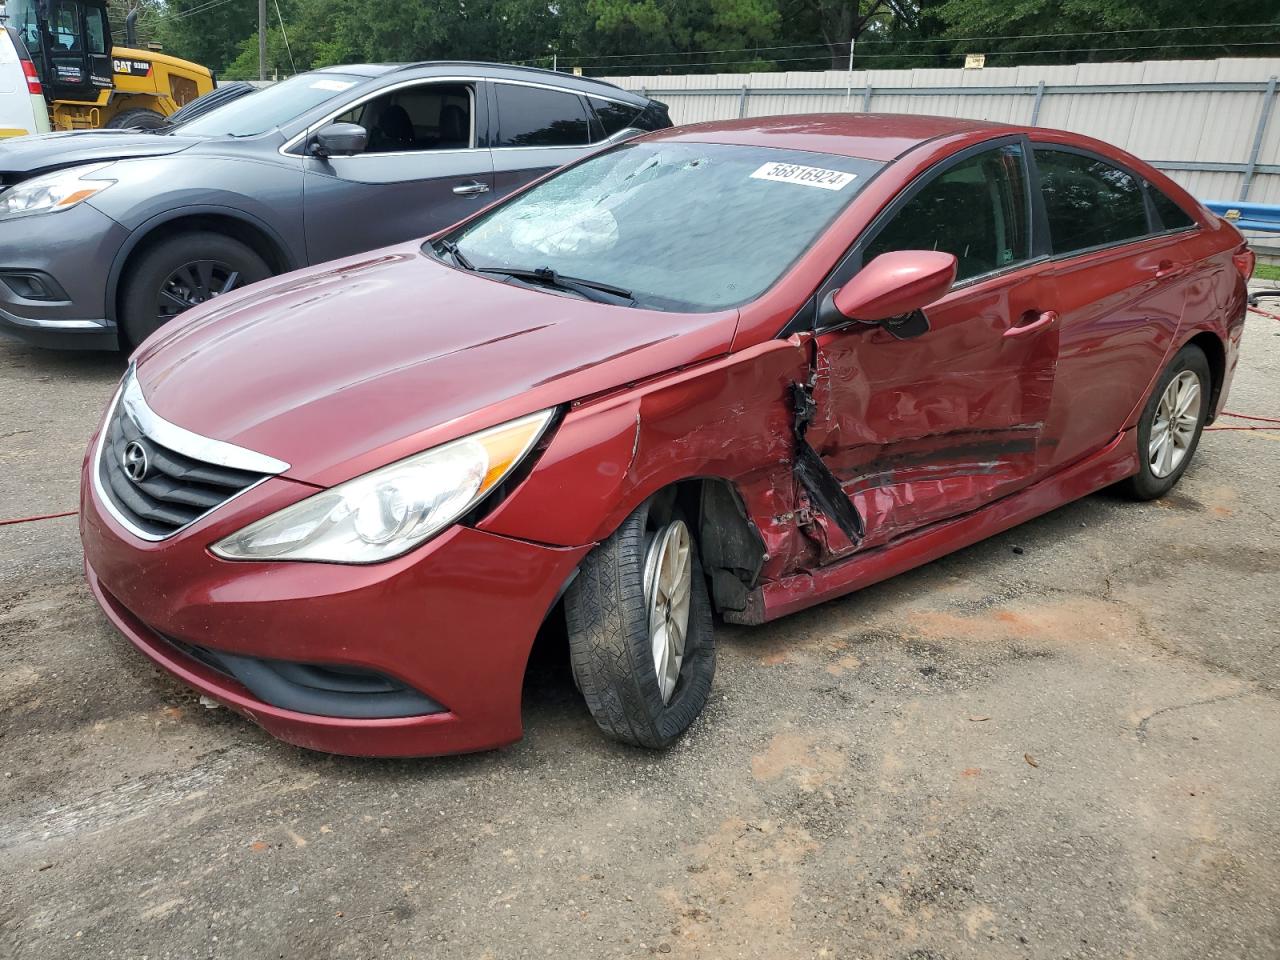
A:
x: 538, y: 117
x: 1090, y: 203
x: 1172, y: 216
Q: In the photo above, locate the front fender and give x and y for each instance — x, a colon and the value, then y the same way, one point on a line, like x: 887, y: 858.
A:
x: 729, y: 419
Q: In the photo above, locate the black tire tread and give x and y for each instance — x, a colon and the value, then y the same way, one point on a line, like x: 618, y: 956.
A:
x: 608, y: 634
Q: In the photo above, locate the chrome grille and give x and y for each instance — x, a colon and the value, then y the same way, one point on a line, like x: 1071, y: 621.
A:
x: 157, y: 478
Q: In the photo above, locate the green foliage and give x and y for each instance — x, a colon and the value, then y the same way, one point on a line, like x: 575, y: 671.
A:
x: 656, y: 36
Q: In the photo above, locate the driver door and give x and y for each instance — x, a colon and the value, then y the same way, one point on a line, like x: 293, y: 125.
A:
x: 426, y: 167
x: 919, y: 430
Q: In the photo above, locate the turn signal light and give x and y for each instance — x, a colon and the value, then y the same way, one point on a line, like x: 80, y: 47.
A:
x: 1245, y: 261
x: 33, y: 79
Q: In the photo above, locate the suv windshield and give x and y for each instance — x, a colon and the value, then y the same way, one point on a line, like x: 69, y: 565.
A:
x: 683, y: 226
x: 269, y: 108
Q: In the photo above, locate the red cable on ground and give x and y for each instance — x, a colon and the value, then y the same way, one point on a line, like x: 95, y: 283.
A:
x: 1265, y: 313
x: 47, y: 516
x: 1245, y: 416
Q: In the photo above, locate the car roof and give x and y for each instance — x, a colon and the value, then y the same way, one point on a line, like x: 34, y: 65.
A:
x: 869, y: 136
x: 483, y: 68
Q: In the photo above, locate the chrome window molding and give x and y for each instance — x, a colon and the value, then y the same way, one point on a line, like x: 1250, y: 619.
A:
x: 180, y: 440
x: 287, y: 148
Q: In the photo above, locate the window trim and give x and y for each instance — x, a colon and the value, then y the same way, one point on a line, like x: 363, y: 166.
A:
x: 287, y: 150
x: 1152, y: 217
x: 904, y: 196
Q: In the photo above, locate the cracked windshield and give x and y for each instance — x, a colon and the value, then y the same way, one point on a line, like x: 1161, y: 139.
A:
x: 681, y: 226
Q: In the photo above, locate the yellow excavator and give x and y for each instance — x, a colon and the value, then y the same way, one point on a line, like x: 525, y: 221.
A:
x: 88, y: 82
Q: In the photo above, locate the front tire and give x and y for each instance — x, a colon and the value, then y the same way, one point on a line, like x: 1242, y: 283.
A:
x: 139, y: 118
x: 1171, y: 424
x: 171, y: 277
x: 640, y: 633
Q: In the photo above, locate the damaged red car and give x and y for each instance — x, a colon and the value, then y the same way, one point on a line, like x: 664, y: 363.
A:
x: 727, y: 370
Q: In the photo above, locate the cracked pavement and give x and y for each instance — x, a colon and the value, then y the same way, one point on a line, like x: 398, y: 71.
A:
x: 1068, y: 751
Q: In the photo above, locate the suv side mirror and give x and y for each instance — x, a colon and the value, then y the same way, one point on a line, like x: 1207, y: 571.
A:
x: 338, y: 140
x: 896, y: 284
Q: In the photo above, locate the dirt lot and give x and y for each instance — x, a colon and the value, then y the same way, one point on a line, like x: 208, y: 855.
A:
x: 1059, y: 743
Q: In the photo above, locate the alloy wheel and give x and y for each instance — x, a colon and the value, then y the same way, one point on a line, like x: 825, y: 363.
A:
x: 1173, y: 428
x: 194, y: 283
x: 668, y: 586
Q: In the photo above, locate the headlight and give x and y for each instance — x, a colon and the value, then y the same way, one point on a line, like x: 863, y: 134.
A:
x: 393, y: 509
x: 60, y: 190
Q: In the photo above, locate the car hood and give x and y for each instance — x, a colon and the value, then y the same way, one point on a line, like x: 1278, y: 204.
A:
x: 53, y: 151
x: 339, y: 369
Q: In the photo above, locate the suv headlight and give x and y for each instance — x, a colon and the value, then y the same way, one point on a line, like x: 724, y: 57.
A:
x: 60, y: 190
x: 392, y: 509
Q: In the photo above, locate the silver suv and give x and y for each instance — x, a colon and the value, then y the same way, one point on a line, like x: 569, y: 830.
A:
x: 106, y: 235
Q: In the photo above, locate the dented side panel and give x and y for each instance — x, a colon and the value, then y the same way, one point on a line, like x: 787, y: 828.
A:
x: 729, y: 419
x: 923, y: 429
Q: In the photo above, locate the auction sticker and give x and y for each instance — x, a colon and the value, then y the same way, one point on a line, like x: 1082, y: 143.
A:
x: 808, y: 176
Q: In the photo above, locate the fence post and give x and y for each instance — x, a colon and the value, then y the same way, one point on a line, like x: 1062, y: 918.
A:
x: 866, y: 98
x: 1035, y: 108
x: 742, y: 102
x: 1268, y: 102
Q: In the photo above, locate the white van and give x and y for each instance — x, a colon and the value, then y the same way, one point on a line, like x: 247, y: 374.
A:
x: 22, y: 106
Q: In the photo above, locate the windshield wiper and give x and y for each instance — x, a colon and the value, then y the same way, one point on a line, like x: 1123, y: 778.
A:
x: 545, y: 276
x: 451, y: 248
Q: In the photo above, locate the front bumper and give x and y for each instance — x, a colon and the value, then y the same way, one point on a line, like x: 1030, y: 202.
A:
x: 76, y: 250
x: 454, y: 619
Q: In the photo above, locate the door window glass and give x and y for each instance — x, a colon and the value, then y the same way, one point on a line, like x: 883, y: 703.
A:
x: 976, y: 210
x: 537, y: 117
x: 1090, y: 202
x: 95, y: 22
x: 1172, y: 216
x: 435, y: 116
x: 610, y: 118
x: 65, y: 28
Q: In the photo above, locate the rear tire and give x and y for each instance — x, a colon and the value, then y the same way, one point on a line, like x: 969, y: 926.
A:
x: 611, y: 643
x: 1186, y: 382
x: 139, y: 118
x: 179, y: 273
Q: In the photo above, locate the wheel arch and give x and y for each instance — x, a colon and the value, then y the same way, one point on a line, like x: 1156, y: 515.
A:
x: 237, y: 224
x: 1215, y: 352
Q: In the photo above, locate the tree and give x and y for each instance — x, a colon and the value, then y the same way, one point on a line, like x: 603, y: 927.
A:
x: 839, y: 22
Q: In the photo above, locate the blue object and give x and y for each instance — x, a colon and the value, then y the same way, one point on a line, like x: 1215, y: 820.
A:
x: 1248, y: 216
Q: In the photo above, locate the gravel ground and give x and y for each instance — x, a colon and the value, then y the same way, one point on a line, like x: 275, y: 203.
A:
x: 1058, y: 743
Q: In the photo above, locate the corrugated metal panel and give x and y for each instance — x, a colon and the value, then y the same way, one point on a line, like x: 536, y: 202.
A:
x: 1187, y: 127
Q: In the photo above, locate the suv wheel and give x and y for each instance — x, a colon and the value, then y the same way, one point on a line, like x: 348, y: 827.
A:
x: 183, y: 271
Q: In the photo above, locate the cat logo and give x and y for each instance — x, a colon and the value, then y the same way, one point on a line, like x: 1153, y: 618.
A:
x: 131, y: 68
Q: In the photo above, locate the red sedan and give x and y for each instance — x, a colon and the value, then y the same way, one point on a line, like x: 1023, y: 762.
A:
x: 734, y: 369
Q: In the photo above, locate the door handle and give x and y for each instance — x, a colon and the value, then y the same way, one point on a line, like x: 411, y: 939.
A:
x: 1043, y: 319
x: 472, y: 188
x: 1167, y: 268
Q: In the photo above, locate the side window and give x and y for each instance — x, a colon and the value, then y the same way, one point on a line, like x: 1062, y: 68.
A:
x: 1090, y: 202
x: 611, y: 117
x: 1172, y: 216
x: 434, y: 116
x: 976, y: 210
x: 95, y: 22
x: 537, y: 117
x: 65, y: 27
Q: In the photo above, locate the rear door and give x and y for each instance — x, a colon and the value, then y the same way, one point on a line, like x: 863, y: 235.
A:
x: 535, y: 129
x: 922, y: 429
x: 425, y: 168
x: 1123, y: 279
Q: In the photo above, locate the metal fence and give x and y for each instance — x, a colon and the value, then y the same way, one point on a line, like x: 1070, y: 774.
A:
x: 1208, y: 123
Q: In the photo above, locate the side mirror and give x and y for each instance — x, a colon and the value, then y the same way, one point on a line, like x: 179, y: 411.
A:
x: 896, y: 284
x: 339, y: 140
